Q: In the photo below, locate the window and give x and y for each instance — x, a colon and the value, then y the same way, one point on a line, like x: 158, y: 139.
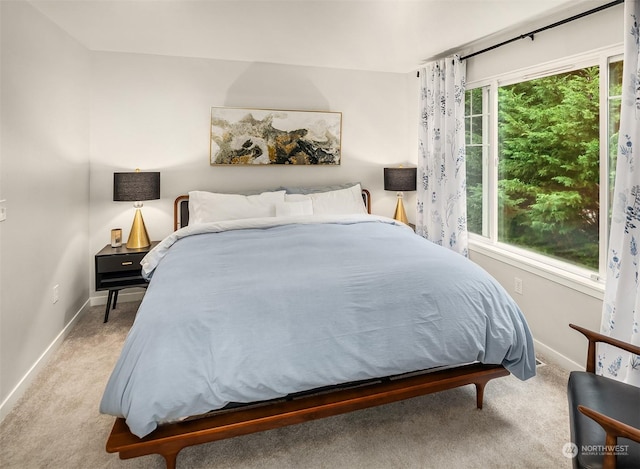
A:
x: 477, y: 153
x: 537, y: 188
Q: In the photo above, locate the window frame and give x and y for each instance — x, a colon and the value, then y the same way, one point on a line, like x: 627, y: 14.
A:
x: 566, y: 273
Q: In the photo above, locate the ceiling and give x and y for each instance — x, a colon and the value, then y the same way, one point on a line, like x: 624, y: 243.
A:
x: 383, y: 35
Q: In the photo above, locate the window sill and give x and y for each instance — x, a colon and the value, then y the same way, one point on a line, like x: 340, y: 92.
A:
x: 575, y: 281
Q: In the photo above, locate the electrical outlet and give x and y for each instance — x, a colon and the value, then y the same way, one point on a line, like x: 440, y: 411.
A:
x: 517, y: 285
x: 56, y: 293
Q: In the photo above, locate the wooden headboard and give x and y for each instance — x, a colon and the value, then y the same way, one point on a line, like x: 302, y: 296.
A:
x: 181, y: 209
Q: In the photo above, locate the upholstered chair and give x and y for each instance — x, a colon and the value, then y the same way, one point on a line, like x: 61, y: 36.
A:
x: 604, y: 413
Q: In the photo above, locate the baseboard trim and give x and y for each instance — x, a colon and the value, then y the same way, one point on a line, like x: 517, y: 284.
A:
x: 553, y: 356
x: 123, y: 297
x: 18, y: 391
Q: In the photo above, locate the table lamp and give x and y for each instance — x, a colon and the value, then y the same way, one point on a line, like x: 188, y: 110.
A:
x: 400, y: 179
x: 136, y: 187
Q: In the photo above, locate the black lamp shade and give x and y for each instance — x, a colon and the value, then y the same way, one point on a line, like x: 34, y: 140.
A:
x: 400, y: 179
x: 136, y: 186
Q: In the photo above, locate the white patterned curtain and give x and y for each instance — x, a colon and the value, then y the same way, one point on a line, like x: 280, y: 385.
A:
x: 441, y: 196
x: 622, y: 294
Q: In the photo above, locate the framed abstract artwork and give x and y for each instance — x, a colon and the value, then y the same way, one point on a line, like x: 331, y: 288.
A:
x: 274, y: 137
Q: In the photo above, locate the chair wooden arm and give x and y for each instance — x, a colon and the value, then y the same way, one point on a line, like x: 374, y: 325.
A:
x: 614, y: 429
x: 595, y: 337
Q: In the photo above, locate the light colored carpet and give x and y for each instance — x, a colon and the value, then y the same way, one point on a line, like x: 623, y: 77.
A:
x: 523, y: 424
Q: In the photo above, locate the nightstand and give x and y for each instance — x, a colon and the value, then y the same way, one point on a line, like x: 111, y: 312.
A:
x: 119, y: 268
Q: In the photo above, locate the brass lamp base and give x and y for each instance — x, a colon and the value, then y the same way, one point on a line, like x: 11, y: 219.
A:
x: 138, y: 237
x: 400, y: 214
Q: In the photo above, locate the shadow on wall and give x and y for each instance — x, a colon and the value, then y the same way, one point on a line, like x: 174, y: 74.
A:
x: 273, y: 86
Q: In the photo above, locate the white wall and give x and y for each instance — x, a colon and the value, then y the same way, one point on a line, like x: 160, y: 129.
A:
x: 152, y: 112
x: 44, y: 169
x: 548, y: 305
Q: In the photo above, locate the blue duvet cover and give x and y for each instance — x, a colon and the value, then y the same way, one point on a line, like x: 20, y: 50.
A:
x: 246, y: 312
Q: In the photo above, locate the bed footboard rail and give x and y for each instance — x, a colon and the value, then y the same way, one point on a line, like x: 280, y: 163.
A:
x: 168, y: 440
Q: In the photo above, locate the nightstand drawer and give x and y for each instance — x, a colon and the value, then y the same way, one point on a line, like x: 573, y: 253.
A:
x: 118, y: 263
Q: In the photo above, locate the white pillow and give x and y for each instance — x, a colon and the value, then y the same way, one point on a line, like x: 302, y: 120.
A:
x: 205, y: 207
x: 296, y: 197
x: 340, y: 202
x: 294, y: 208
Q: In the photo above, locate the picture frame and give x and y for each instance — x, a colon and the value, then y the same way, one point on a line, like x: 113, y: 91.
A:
x: 264, y: 137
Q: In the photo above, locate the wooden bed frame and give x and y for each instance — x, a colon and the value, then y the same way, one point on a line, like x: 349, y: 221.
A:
x: 169, y: 439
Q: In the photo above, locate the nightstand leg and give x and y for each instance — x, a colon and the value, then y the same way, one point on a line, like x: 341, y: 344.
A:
x: 109, y: 299
x: 115, y: 298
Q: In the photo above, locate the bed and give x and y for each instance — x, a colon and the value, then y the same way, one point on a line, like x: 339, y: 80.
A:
x: 278, y: 308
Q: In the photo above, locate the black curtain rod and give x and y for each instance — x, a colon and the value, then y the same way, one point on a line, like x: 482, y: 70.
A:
x: 532, y: 33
